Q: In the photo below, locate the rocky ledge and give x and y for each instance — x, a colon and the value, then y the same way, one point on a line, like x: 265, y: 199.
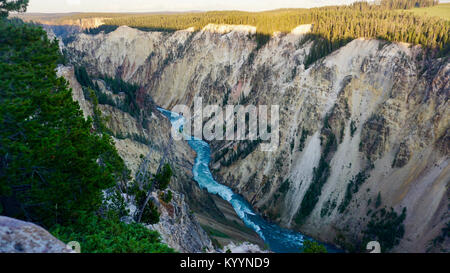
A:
x: 24, y: 237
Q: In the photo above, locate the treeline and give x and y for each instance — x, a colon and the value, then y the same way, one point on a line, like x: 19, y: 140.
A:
x: 333, y: 26
x: 103, y: 28
x: 116, y: 85
x: 93, y: 93
x: 408, y: 4
x: 343, y: 25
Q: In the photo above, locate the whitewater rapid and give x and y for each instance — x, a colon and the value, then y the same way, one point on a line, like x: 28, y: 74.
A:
x: 278, y: 239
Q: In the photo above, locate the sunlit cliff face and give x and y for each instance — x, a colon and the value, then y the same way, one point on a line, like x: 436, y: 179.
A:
x: 382, y: 110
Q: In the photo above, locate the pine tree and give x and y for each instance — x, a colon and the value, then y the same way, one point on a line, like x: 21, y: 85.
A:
x: 7, y: 6
x: 53, y: 166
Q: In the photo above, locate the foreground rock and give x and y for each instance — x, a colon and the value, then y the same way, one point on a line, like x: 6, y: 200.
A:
x: 179, y: 227
x: 23, y: 237
x: 245, y: 247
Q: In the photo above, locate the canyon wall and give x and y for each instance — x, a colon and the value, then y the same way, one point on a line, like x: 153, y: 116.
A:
x: 184, y: 234
x: 361, y: 130
x: 144, y: 145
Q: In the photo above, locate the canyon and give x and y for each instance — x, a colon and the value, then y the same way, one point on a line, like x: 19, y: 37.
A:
x: 362, y: 130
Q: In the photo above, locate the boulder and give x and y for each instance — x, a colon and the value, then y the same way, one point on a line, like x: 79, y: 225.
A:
x: 23, y: 237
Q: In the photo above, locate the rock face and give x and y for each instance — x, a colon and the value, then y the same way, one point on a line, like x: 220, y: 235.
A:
x: 369, y: 120
x: 77, y: 92
x: 180, y: 228
x: 22, y: 237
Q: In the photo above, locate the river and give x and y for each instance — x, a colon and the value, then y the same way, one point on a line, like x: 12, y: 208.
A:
x: 279, y: 240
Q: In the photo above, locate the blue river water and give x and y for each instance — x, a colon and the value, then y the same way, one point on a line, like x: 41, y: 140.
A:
x: 279, y: 240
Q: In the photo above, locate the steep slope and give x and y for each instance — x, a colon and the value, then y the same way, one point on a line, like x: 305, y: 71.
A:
x: 176, y: 223
x: 144, y: 146
x: 363, y: 129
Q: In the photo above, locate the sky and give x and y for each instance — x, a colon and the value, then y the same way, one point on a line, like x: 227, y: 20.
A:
x: 56, y: 6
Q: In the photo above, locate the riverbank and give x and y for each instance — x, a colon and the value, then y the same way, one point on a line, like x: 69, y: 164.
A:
x: 231, y: 229
x: 276, y: 238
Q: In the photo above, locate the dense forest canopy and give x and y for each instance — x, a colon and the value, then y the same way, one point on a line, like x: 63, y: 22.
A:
x: 336, y: 25
x: 408, y: 4
x: 333, y: 26
x: 48, y: 153
x: 58, y: 169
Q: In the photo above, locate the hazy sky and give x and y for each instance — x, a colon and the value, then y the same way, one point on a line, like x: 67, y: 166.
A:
x: 171, y: 5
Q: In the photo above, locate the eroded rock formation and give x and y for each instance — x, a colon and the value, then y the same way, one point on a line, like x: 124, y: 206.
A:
x: 369, y: 120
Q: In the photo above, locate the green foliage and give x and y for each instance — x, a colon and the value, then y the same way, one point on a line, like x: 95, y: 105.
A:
x: 313, y: 247
x: 386, y: 227
x: 328, y: 208
x: 7, y: 6
x: 129, y: 105
x: 48, y: 153
x: 245, y: 148
x: 320, y: 177
x: 88, y: 86
x: 408, y: 4
x: 162, y: 179
x: 333, y: 26
x: 105, y: 99
x: 140, y: 196
x: 93, y: 93
x: 378, y: 201
x: 114, y: 204
x: 284, y: 188
x: 352, y: 128
x: 150, y: 213
x: 214, y: 232
x: 108, y: 235
x: 83, y: 78
x: 103, y: 28
x: 98, y: 119
x: 167, y: 197
x: 303, y: 138
x: 321, y: 48
x: 116, y: 85
x: 53, y: 164
x: 261, y: 40
x: 135, y: 137
x: 352, y: 188
x: 440, y: 239
x: 292, y: 145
